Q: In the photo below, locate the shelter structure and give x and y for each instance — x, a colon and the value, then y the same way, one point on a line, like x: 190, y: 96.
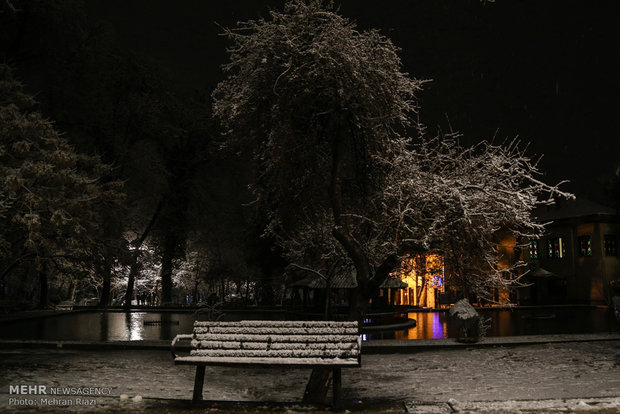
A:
x: 577, y: 259
x: 418, y: 283
x: 311, y: 290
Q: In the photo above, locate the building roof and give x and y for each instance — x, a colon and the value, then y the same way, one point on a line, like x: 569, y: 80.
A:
x: 344, y: 281
x: 577, y: 208
x: 541, y: 273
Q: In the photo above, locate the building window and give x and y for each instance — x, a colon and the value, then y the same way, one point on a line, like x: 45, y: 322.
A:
x: 556, y: 248
x: 534, y: 249
x: 611, y: 245
x: 585, y: 246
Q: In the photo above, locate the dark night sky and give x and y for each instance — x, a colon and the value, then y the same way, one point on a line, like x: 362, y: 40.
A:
x: 544, y: 70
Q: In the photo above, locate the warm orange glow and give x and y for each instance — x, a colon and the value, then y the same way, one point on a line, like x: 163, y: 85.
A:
x: 506, y: 249
x: 585, y: 229
x: 418, y: 272
x: 428, y: 325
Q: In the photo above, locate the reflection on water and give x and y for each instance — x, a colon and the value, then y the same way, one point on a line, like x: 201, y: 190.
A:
x: 135, y: 324
x: 439, y: 328
x: 429, y: 325
x: 437, y: 325
x: 129, y: 326
x: 100, y: 326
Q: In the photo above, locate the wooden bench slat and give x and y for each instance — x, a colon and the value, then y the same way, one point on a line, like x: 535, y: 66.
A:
x: 275, y: 330
x: 273, y: 345
x: 267, y: 362
x: 302, y: 339
x: 276, y: 353
x: 282, y: 324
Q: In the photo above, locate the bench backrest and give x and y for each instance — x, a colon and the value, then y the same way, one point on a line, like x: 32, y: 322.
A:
x: 279, y: 340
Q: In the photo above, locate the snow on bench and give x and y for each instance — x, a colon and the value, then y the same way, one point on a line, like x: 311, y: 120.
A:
x: 291, y: 344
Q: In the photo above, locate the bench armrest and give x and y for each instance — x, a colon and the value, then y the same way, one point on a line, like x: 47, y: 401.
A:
x: 176, y: 339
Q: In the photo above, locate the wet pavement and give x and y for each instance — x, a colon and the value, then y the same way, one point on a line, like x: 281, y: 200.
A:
x: 502, y: 377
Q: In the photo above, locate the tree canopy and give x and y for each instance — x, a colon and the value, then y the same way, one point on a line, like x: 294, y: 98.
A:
x: 54, y: 197
x: 344, y: 168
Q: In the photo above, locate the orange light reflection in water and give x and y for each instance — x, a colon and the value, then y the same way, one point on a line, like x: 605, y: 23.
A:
x: 428, y: 325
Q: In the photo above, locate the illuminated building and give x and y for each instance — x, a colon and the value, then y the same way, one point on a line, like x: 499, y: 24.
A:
x: 573, y: 263
x: 578, y: 257
x: 424, y: 276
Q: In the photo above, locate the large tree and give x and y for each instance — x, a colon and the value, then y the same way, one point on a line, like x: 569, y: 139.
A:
x: 316, y: 99
x: 57, y: 197
x: 119, y: 104
x: 327, y: 111
x: 460, y: 202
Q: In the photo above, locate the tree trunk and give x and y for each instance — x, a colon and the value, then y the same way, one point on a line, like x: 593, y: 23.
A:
x: 246, y: 298
x: 43, y: 288
x: 69, y: 290
x: 222, y: 290
x: 328, y: 292
x: 104, y: 299
x: 74, y: 286
x: 134, y: 270
x: 195, y: 292
x: 267, y: 296
x: 358, y: 306
x: 166, y: 275
x: 342, y: 235
x: 317, y: 387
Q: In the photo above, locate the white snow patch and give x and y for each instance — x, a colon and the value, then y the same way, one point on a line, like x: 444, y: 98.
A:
x: 281, y: 324
x: 463, y: 310
x: 547, y: 406
x: 276, y: 330
x: 275, y: 338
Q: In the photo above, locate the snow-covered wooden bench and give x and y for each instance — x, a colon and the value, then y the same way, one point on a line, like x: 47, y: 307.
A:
x: 290, y: 344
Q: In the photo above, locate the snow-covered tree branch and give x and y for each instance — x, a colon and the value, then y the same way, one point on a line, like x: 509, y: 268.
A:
x: 329, y: 115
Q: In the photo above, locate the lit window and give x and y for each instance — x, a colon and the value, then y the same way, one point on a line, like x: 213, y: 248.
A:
x: 534, y: 249
x: 556, y: 248
x: 611, y: 245
x: 585, y: 246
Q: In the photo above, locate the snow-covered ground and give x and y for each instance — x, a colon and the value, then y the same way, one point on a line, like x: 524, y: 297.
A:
x: 586, y: 405
x: 535, y: 378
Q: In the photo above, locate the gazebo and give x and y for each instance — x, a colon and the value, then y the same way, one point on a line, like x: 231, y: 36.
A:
x: 312, y: 290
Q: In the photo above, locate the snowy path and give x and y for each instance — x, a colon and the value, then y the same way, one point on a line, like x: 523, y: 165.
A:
x: 534, y: 372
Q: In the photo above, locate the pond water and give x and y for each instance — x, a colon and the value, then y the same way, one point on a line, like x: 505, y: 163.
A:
x: 130, y: 326
x: 114, y: 326
x: 561, y: 320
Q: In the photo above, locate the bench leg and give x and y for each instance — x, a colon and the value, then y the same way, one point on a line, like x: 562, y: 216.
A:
x: 337, y: 384
x: 198, y: 383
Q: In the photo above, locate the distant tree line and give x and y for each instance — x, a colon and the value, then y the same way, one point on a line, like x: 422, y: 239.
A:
x: 113, y: 184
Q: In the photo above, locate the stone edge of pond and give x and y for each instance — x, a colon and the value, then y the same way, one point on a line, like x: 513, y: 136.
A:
x: 387, y: 346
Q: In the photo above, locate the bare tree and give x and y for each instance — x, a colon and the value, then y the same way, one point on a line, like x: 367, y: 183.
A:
x: 328, y: 113
x: 316, y: 99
